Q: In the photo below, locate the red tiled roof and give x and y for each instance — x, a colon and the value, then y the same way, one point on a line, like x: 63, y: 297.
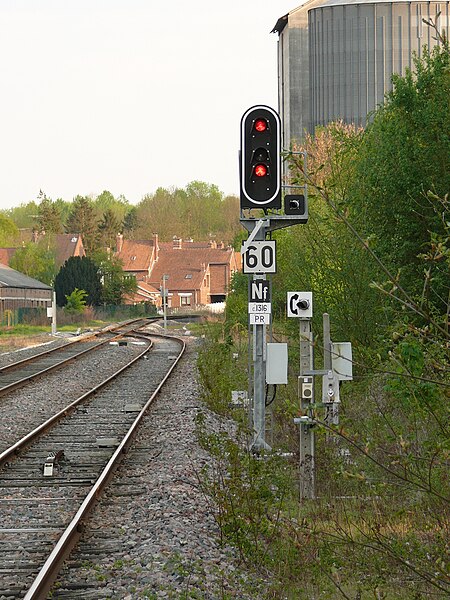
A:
x: 186, y: 267
x: 136, y: 255
x: 144, y: 293
x: 68, y: 245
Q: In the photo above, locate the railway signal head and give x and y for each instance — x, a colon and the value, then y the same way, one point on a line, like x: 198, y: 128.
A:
x: 260, y: 166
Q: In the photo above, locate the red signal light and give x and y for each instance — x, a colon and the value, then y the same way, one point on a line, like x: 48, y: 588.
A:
x: 260, y: 170
x: 260, y: 125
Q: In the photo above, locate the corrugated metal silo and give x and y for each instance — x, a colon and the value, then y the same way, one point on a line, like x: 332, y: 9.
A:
x: 336, y: 57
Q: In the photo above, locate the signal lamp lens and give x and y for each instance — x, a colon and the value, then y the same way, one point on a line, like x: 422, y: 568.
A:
x: 260, y: 170
x: 261, y: 155
x: 260, y: 125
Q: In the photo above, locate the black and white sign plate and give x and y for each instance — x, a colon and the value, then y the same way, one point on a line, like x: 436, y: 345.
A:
x: 260, y: 257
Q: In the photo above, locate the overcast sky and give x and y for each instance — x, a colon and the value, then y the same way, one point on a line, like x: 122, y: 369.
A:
x: 129, y: 95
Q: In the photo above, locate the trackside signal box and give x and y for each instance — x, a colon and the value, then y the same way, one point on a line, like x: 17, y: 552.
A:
x: 277, y: 363
x: 260, y: 168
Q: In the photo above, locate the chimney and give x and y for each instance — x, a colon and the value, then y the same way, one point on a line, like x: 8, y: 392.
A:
x: 119, y: 243
x: 176, y: 243
x: 155, y: 246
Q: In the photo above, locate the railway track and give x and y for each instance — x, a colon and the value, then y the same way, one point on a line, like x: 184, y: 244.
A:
x: 19, y: 373
x: 47, y: 492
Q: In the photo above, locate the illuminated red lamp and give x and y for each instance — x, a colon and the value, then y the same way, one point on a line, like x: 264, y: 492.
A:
x: 260, y: 125
x: 260, y: 170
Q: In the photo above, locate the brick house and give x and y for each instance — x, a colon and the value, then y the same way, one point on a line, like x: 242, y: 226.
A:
x: 66, y: 245
x: 6, y: 254
x: 195, y: 274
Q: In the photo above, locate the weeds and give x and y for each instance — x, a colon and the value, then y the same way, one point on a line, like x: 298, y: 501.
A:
x: 378, y: 529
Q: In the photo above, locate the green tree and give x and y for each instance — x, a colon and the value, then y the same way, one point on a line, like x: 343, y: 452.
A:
x: 24, y: 215
x: 106, y: 201
x: 36, y: 261
x: 405, y: 152
x: 48, y: 218
x: 116, y: 283
x: 324, y: 256
x: 8, y: 230
x: 64, y: 209
x: 198, y: 211
x: 108, y: 228
x: 82, y: 273
x: 83, y: 219
x: 76, y: 301
x: 130, y: 222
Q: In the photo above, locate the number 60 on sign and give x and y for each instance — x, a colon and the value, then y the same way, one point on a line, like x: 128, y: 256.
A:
x: 260, y: 257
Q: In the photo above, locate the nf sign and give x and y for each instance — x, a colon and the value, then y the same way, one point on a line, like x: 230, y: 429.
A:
x: 299, y: 304
x: 259, y: 257
x: 259, y: 291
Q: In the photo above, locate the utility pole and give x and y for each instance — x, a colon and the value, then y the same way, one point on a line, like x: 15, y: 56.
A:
x: 164, y: 295
x: 54, y: 313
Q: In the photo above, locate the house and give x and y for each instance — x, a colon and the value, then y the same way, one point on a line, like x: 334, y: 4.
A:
x: 20, y: 291
x: 138, y: 257
x: 6, y: 254
x: 194, y: 274
x: 145, y: 293
x: 66, y: 245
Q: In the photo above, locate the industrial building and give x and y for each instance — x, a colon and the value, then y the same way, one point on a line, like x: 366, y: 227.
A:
x: 18, y: 291
x: 336, y: 57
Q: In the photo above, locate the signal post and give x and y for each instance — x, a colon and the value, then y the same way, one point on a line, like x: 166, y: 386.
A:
x: 299, y: 305
x: 261, y: 189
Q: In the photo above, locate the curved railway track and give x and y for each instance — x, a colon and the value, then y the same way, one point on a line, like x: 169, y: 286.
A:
x: 19, y: 373
x: 57, y: 478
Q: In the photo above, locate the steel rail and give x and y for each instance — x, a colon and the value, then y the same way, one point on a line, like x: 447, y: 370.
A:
x: 49, y: 571
x: 32, y: 435
x: 92, y: 334
x: 20, y: 382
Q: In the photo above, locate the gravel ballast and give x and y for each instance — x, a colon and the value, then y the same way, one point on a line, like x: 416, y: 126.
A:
x: 24, y: 409
x: 153, y: 533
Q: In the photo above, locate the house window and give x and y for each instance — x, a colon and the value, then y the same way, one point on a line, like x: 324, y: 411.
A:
x: 188, y: 276
x: 185, y: 300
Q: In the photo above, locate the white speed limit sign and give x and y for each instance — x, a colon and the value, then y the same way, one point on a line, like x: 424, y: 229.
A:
x: 259, y: 257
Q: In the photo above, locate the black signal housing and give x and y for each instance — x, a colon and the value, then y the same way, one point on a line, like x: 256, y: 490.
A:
x: 260, y: 166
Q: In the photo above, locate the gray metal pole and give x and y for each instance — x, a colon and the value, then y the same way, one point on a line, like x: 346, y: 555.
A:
x: 327, y: 365
x: 259, y: 380
x: 54, y: 314
x: 251, y: 401
x: 164, y: 302
x: 330, y: 386
x: 259, y: 391
x: 307, y: 467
